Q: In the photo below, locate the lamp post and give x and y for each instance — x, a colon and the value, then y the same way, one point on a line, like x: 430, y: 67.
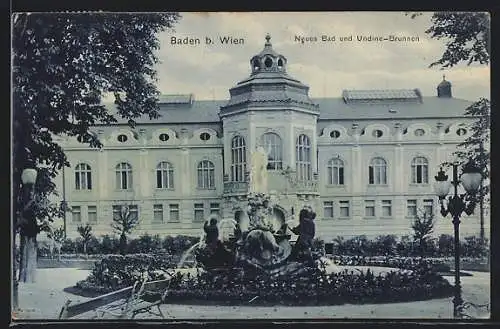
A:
x: 28, y: 179
x: 455, y: 206
x: 28, y: 226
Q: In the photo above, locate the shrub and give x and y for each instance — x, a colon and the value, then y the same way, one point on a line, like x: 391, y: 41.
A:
x: 445, y: 245
x: 69, y: 246
x: 114, y: 272
x: 314, y: 287
x: 474, y: 247
x: 109, y: 245
x: 178, y: 244
x: 407, y: 263
x: 145, y: 244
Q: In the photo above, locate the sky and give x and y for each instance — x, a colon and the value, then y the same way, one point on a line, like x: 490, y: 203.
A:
x: 209, y: 71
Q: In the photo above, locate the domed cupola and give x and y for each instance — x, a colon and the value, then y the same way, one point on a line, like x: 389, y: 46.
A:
x: 269, y: 85
x: 268, y: 60
x: 444, y: 88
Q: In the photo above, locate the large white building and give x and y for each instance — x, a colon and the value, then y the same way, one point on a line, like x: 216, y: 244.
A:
x: 365, y: 160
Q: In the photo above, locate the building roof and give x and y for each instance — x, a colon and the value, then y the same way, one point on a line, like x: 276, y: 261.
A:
x: 337, y: 108
x: 400, y: 95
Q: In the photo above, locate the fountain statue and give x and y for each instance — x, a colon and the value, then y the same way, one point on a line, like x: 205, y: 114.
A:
x: 258, y: 170
x: 262, y: 245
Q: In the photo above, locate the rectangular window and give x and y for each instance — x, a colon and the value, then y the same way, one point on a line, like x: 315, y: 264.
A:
x: 158, y: 213
x: 215, y: 208
x: 429, y: 207
x: 344, y: 209
x: 76, y: 214
x: 92, y: 214
x: 118, y: 210
x: 369, y: 208
x: 199, y: 212
x: 328, y: 209
x: 386, y: 208
x: 411, y: 208
x: 370, y: 175
x: 174, y: 212
x: 134, y: 211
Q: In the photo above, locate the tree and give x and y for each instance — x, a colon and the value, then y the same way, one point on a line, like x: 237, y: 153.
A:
x: 123, y: 224
x: 423, y: 227
x: 57, y: 236
x: 63, y: 64
x: 468, y: 35
x: 86, y: 234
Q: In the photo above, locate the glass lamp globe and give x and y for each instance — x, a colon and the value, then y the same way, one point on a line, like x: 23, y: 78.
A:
x: 442, y: 185
x: 471, y: 177
x: 471, y: 181
x: 29, y: 176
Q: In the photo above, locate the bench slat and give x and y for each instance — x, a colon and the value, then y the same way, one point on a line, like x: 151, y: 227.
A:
x: 94, y: 303
x: 158, y: 286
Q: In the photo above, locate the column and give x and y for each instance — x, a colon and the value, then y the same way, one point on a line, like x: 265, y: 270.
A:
x: 144, y: 174
x: 290, y: 138
x: 106, y: 178
x: 185, y: 173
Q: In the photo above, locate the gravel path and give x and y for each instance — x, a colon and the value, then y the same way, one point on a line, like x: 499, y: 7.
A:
x: 44, y: 300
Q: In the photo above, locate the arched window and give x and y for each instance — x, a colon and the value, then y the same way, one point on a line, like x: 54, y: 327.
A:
x: 377, y: 171
x: 83, y: 177
x: 164, y: 175
x: 123, y: 176
x: 335, y: 171
x: 206, y: 175
x: 303, y: 158
x: 272, y: 143
x: 420, y: 171
x: 238, y: 159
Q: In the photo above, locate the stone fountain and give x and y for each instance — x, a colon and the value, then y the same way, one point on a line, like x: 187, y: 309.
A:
x: 260, y: 248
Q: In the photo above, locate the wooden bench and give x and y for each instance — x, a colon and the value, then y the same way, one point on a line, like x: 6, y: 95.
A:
x: 125, y: 303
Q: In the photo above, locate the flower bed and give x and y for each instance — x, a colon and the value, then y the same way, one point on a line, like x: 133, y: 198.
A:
x: 408, y: 263
x: 314, y: 288
x: 114, y: 272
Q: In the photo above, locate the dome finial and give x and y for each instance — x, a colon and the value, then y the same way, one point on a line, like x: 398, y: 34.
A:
x: 444, y: 77
x: 268, y: 39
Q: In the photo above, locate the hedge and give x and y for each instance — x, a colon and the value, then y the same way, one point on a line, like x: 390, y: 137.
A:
x: 390, y: 245
x: 110, y: 245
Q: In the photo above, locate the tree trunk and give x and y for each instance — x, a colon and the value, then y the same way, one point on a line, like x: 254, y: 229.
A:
x: 85, y: 248
x: 21, y: 264
x: 29, y: 261
x: 15, y: 281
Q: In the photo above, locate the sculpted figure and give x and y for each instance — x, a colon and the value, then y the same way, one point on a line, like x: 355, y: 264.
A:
x: 211, y: 232
x: 258, y: 171
x: 306, y: 231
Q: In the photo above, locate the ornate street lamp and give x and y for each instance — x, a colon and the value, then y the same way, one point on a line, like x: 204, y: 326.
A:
x: 455, y: 205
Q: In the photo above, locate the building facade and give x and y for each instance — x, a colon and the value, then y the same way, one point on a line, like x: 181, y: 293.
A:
x: 364, y: 161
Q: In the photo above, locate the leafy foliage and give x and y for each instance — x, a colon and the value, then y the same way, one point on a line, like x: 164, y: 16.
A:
x: 423, y: 227
x: 63, y: 64
x: 114, y: 272
x: 86, y: 235
x: 468, y: 35
x: 56, y: 235
x: 123, y: 224
x: 473, y: 148
x: 315, y: 287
